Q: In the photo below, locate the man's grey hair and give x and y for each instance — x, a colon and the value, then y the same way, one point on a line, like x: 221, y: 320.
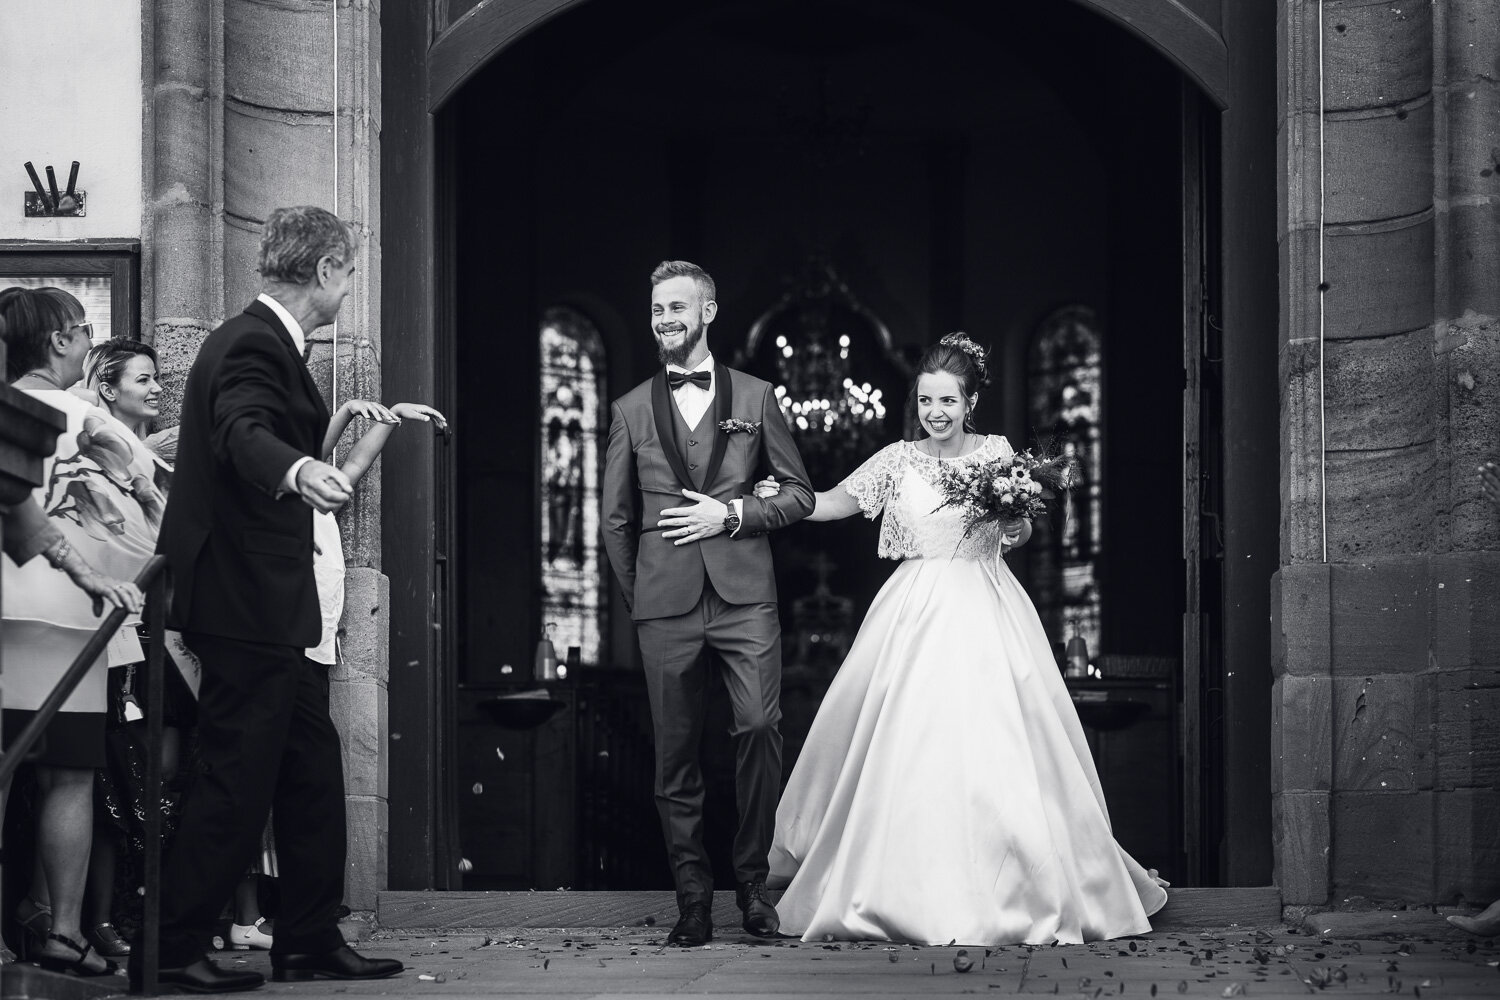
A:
x: 294, y: 239
x: 685, y: 269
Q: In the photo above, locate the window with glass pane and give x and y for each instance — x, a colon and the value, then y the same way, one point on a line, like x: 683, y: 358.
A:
x: 1064, y: 375
x: 105, y: 278
x: 572, y: 388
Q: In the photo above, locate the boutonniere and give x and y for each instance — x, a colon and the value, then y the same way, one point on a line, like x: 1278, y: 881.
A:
x: 736, y: 426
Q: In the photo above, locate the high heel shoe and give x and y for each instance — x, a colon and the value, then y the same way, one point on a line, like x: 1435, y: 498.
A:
x: 35, y: 919
x: 77, y: 966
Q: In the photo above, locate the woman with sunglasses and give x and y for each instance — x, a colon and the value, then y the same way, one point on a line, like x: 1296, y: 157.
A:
x: 98, y: 489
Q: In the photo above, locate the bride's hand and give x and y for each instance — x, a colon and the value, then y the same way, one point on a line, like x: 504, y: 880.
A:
x: 1156, y: 877
x: 1011, y: 531
x: 767, y: 488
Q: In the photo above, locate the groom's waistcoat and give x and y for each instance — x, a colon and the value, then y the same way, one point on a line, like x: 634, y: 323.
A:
x: 654, y: 456
x: 695, y: 444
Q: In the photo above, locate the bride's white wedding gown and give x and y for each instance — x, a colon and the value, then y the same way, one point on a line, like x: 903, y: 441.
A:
x: 945, y: 791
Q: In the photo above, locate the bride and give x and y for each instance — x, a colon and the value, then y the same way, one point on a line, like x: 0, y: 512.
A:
x: 945, y: 792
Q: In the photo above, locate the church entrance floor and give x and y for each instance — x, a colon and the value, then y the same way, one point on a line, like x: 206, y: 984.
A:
x: 1413, y: 953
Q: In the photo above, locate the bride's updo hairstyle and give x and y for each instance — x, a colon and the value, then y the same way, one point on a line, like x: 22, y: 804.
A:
x: 960, y: 357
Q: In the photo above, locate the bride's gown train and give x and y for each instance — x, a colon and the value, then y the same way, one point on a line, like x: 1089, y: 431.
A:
x: 945, y: 791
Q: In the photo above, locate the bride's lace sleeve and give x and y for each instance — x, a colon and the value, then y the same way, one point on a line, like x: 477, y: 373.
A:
x: 870, y: 484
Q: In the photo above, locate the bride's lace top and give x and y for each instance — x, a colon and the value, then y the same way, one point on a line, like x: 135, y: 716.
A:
x: 902, y: 481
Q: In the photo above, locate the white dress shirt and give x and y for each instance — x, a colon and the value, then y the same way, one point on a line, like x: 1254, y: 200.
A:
x: 693, y: 402
x: 299, y: 340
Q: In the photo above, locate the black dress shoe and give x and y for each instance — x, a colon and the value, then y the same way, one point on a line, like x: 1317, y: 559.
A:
x: 201, y: 976
x: 694, y: 927
x: 760, y: 916
x: 342, y: 962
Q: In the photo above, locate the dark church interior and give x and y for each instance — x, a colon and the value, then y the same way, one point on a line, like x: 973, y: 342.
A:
x: 882, y: 172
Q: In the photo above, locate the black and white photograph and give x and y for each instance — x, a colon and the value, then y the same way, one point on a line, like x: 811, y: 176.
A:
x: 808, y: 498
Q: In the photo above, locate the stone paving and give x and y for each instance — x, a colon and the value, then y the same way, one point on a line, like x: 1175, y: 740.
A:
x: 1425, y: 958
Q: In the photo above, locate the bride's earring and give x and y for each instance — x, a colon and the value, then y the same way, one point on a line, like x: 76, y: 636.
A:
x: 969, y: 416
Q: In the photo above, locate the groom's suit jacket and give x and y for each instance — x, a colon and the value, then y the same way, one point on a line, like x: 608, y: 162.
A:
x: 653, y: 456
x: 239, y: 550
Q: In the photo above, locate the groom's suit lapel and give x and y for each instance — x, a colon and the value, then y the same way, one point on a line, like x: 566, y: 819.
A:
x: 723, y: 407
x: 666, y: 429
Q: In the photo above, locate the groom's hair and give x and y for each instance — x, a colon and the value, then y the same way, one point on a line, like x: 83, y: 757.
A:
x: 685, y: 269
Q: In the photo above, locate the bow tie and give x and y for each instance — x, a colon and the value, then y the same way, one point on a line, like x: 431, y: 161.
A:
x: 702, y: 380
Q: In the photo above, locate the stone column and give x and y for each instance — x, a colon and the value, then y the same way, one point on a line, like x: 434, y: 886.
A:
x: 1465, y: 565
x: 1388, y: 392
x: 260, y: 104
x: 184, y: 226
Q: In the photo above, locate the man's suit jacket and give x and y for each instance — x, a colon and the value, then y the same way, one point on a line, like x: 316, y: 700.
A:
x: 240, y: 555
x: 644, y: 474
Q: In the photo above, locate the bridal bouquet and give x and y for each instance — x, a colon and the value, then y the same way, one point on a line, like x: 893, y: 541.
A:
x: 1004, y: 489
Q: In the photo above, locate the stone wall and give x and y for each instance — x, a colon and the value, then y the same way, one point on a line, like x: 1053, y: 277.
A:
x: 242, y: 119
x: 1386, y: 779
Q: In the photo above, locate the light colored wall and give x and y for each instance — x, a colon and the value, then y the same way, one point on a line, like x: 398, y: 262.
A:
x: 70, y: 89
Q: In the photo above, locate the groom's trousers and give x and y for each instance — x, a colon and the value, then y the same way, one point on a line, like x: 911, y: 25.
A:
x: 265, y: 738
x: 747, y: 640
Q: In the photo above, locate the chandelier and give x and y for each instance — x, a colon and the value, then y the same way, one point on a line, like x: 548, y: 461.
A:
x: 826, y: 354
x: 818, y: 397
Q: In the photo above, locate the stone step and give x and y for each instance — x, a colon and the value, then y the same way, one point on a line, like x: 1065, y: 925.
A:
x: 22, y: 981
x: 1431, y: 923
x: 1186, y: 909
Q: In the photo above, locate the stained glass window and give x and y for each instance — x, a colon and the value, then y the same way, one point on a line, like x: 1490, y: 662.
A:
x: 1064, y: 375
x: 572, y: 387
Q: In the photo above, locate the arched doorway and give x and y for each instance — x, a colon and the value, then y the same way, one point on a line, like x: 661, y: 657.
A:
x: 965, y: 181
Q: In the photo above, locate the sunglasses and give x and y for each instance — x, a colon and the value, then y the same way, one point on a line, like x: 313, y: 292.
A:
x: 87, y: 328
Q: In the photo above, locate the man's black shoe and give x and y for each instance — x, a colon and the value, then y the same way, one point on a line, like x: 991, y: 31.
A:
x: 694, y: 927
x: 760, y: 916
x: 342, y: 962
x: 201, y: 976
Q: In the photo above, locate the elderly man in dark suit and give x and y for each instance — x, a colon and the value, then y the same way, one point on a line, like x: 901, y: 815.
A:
x: 698, y: 576
x: 237, y: 535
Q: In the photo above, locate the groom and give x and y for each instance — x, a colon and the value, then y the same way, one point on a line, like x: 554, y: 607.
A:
x: 687, y: 539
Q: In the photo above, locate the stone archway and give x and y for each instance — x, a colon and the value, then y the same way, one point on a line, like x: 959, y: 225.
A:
x: 427, y: 62
x: 1169, y: 26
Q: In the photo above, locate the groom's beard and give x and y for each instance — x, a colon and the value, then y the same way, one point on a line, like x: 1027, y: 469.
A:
x: 678, y: 355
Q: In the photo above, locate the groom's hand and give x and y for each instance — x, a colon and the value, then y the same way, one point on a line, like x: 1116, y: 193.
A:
x: 703, y: 519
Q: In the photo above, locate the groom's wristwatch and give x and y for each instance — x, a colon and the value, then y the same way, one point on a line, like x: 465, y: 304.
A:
x: 731, y: 521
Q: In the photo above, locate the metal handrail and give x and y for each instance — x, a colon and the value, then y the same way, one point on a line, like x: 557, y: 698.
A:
x: 152, y: 580
x: 15, y: 755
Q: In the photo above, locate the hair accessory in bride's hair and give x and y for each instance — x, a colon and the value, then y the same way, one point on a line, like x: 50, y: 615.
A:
x: 961, y: 341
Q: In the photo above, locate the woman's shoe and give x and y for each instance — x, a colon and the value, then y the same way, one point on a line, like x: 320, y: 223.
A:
x: 107, y: 941
x: 36, y: 920
x: 77, y: 966
x: 243, y: 937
